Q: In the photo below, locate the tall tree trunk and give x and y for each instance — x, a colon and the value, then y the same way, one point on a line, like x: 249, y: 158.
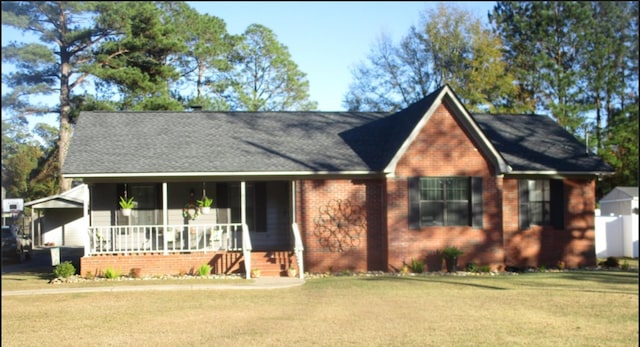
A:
x: 65, y: 110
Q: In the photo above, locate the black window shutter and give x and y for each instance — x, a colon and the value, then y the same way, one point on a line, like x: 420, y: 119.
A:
x: 476, y: 202
x: 414, y: 202
x: 523, y: 198
x: 557, y: 207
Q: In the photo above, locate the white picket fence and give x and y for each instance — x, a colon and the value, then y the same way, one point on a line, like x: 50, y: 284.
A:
x: 617, y: 236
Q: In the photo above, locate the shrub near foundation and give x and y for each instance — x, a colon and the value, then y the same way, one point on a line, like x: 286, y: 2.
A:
x: 64, y: 270
x: 111, y: 273
x: 204, y: 270
x: 416, y: 266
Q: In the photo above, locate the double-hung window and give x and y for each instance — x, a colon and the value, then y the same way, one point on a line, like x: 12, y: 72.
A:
x: 445, y: 201
x: 541, y: 203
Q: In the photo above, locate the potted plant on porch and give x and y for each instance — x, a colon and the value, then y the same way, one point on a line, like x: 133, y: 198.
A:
x: 205, y: 204
x: 450, y: 255
x: 126, y: 205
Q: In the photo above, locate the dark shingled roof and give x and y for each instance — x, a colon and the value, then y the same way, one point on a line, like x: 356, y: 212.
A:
x: 537, y: 143
x: 106, y: 143
x: 378, y: 141
x: 175, y: 142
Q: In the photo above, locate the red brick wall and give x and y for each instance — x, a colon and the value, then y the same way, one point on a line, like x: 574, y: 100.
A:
x: 159, y: 264
x: 545, y: 246
x: 443, y: 148
x: 347, y: 238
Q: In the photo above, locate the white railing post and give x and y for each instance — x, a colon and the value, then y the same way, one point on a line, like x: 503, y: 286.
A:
x: 298, y: 248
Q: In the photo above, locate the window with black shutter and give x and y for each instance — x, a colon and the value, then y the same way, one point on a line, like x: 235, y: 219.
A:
x: 445, y: 201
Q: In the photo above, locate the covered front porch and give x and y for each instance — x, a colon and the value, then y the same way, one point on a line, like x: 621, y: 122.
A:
x: 166, y: 233
x: 129, y: 249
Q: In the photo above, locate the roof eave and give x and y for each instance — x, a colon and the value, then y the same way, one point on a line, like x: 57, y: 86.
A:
x: 554, y: 173
x: 218, y: 174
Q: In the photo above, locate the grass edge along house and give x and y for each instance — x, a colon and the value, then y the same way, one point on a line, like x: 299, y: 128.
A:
x: 333, y: 191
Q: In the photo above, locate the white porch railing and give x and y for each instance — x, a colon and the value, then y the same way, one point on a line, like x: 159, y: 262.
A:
x: 175, y: 238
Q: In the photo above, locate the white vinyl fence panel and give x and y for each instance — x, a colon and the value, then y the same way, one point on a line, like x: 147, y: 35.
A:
x: 617, y: 236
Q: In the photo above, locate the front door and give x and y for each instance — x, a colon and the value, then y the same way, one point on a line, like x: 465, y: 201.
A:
x: 268, y: 213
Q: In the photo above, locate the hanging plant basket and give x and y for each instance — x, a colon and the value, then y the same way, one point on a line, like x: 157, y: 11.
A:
x: 126, y: 204
x: 205, y: 204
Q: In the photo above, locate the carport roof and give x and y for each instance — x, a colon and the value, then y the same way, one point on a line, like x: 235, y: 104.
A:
x: 73, y: 198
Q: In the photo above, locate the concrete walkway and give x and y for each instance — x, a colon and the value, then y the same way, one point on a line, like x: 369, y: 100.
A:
x: 41, y: 260
x: 256, y: 283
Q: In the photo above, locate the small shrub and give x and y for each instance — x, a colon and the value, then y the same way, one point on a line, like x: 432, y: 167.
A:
x: 204, y: 270
x: 346, y: 272
x: 625, y: 266
x: 182, y: 273
x: 472, y: 267
x: 451, y: 252
x: 542, y: 268
x: 89, y: 275
x: 65, y: 270
x: 111, y: 273
x: 612, y: 262
x: 485, y: 268
x: 561, y: 265
x: 416, y: 266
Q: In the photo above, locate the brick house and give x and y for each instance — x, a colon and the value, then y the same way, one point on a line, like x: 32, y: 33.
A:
x: 329, y: 191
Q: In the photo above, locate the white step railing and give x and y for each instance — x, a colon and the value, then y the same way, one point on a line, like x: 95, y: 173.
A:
x: 174, y: 238
x: 298, y: 248
x: 246, y: 250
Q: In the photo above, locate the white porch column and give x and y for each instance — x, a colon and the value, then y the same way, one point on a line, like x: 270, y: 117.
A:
x: 243, y: 201
x: 165, y: 217
x: 86, y: 197
x: 33, y: 230
x: 293, y: 201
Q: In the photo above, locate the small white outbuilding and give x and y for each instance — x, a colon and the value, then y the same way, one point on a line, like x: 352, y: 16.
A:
x: 620, y: 201
x: 60, y: 220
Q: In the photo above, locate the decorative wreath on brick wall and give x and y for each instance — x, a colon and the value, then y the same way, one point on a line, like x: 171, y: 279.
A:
x: 339, y: 225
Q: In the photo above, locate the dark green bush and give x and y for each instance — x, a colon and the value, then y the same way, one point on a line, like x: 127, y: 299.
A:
x: 416, y: 266
x: 472, y: 267
x: 612, y: 262
x: 451, y: 252
x: 65, y: 270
